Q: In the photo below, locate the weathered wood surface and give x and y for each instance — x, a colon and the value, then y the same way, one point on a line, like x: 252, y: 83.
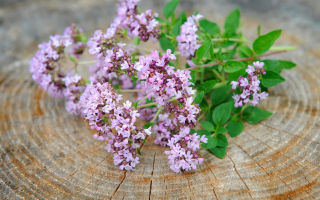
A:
x: 48, y: 154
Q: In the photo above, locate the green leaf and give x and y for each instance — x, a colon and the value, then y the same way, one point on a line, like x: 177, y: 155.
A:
x: 259, y: 30
x: 285, y: 64
x: 193, y: 75
x: 170, y: 7
x: 138, y: 151
x: 220, y: 152
x: 207, y: 125
x: 222, y: 140
x: 73, y: 59
x: 198, y: 99
x: 245, y: 52
x: 204, y: 105
x: 271, y: 79
x: 263, y: 43
x: 207, y: 85
x: 221, y: 130
x: 221, y: 113
x: 136, y: 40
x: 212, y: 143
x: 148, y: 125
x: 209, y: 27
x: 165, y: 43
x: 160, y: 20
x: 235, y: 127
x: 234, y: 76
x: 203, y: 132
x: 278, y: 65
x: 254, y: 115
x: 220, y: 94
x: 204, y: 50
x: 233, y: 66
x: 83, y: 38
x: 181, y: 20
x: 231, y: 23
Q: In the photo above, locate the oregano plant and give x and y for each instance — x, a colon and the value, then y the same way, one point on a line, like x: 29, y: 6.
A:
x: 205, y: 82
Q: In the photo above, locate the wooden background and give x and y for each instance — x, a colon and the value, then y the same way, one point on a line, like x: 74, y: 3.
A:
x: 48, y: 154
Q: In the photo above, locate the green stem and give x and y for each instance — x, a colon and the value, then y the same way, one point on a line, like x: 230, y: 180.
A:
x: 201, y: 116
x: 227, y: 39
x: 218, y: 75
x: 86, y: 62
x: 281, y: 48
x: 154, y: 103
x: 144, y: 98
x: 157, y: 114
x: 220, y: 84
x: 130, y: 90
x: 239, y: 59
x: 148, y: 104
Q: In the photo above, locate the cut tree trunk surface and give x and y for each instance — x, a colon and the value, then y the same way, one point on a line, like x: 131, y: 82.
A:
x: 48, y: 154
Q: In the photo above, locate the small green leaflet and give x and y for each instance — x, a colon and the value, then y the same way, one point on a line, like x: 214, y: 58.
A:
x: 209, y: 27
x: 170, y: 7
x: 165, y: 43
x: 254, y: 115
x: 235, y: 127
x: 245, y: 52
x: 83, y: 38
x: 235, y: 75
x: 207, y: 85
x: 221, y: 129
x: 148, y: 125
x: 278, y: 65
x: 263, y: 43
x: 204, y: 50
x: 271, y: 79
x: 207, y: 126
x: 222, y: 140
x: 220, y: 152
x: 73, y: 59
x: 136, y: 40
x: 233, y: 66
x: 221, y: 113
x: 231, y: 23
x: 181, y: 20
x: 220, y: 94
x: 203, y: 132
x: 198, y: 99
x: 212, y: 143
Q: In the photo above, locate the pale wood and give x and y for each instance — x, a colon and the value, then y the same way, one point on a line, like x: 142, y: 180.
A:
x: 47, y: 153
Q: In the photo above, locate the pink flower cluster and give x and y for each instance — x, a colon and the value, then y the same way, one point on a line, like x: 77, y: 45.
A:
x: 249, y: 86
x: 142, y: 25
x: 75, y: 86
x: 183, y: 154
x: 44, y: 66
x: 187, y: 40
x: 172, y: 89
x: 112, y: 58
x: 114, y: 122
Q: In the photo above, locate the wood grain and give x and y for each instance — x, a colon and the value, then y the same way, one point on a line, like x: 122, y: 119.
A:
x: 47, y: 153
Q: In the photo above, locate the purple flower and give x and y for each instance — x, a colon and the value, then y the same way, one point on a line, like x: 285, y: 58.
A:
x: 74, y: 88
x: 44, y: 65
x: 249, y: 86
x: 187, y: 40
x: 183, y: 154
x: 138, y: 24
x: 115, y: 122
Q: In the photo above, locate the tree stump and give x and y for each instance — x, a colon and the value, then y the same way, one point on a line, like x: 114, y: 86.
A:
x: 47, y: 153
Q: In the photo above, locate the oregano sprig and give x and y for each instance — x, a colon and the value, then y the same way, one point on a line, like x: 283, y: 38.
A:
x: 206, y: 83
